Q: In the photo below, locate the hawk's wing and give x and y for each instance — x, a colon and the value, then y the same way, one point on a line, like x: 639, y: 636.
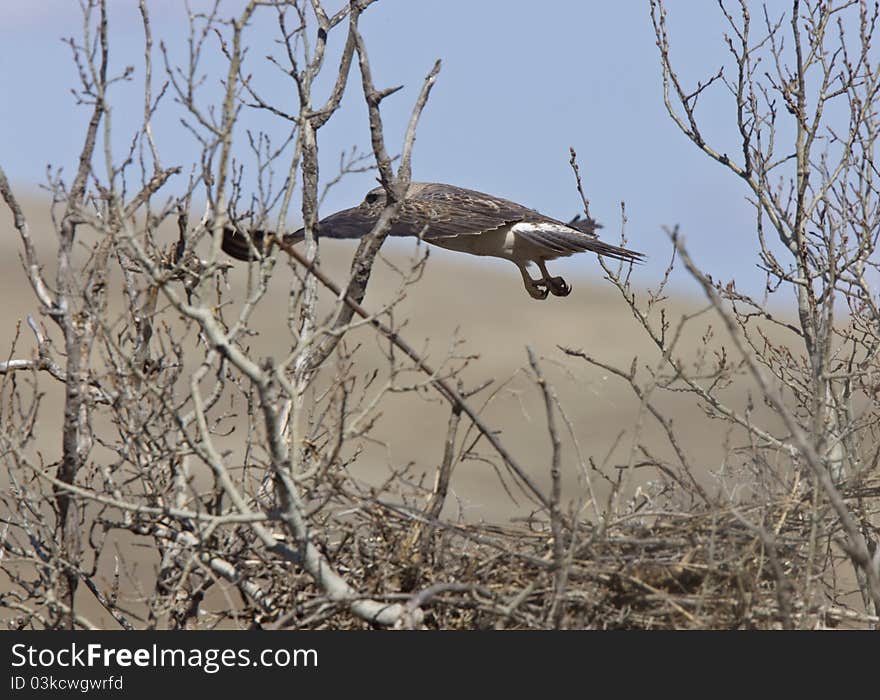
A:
x: 441, y: 211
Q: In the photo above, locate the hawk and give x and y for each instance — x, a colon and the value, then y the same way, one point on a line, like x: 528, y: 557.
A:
x: 466, y: 221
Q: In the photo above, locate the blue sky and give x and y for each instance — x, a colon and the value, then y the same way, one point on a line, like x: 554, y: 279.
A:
x: 521, y: 82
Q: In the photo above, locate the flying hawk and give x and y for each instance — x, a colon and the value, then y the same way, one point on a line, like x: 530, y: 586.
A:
x: 463, y: 220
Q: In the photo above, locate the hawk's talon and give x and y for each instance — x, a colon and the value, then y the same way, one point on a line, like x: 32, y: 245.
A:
x: 558, y: 286
x: 537, y: 289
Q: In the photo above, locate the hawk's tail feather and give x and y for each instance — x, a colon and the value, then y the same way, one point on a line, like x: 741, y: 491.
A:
x: 617, y: 252
x: 589, y: 226
x: 564, y: 242
x: 241, y: 245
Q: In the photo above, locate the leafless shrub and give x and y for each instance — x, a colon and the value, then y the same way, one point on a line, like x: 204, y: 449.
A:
x: 235, y: 472
x: 803, y: 444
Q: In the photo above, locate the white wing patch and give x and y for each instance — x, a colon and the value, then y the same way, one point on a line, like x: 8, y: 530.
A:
x: 552, y: 239
x: 527, y: 227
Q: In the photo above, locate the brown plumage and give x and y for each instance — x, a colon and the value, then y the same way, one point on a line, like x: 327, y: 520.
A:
x: 467, y: 221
